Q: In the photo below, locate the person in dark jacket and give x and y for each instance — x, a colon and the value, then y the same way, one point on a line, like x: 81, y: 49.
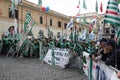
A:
x: 114, y: 59
x: 110, y: 48
x: 102, y: 45
x: 107, y: 50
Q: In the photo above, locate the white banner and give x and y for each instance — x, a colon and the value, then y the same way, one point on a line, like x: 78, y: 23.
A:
x: 61, y: 58
x: 100, y: 71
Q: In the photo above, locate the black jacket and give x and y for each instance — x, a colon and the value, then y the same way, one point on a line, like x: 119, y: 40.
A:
x: 114, y: 59
x: 103, y: 55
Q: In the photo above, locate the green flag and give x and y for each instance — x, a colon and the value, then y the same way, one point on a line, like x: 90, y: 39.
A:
x: 49, y: 32
x: 84, y: 4
x: 14, y: 3
x: 118, y: 1
x: 79, y: 2
x: 29, y: 23
x: 71, y: 37
x: 112, y: 13
x: 40, y: 2
x: 96, y: 8
x: 84, y: 60
x: 90, y: 70
x: 84, y: 18
x: 12, y: 7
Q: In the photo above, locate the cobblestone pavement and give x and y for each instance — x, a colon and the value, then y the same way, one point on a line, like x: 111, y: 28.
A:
x: 32, y: 69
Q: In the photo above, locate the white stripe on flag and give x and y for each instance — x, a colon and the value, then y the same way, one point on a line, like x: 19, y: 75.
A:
x: 113, y: 20
x: 15, y: 20
x: 112, y: 5
x: 112, y: 15
x: 70, y: 24
x: 114, y: 1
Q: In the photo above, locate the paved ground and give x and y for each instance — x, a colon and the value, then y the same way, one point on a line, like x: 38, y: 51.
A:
x: 31, y: 69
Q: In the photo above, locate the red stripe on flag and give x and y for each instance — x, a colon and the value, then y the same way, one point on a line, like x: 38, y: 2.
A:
x: 90, y: 28
x: 94, y: 16
x: 101, y: 7
x: 111, y: 12
x: 78, y: 14
x: 94, y: 66
x: 84, y: 67
x: 21, y: 31
x: 78, y: 6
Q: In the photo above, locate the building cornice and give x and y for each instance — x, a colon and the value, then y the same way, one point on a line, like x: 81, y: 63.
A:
x: 33, y: 6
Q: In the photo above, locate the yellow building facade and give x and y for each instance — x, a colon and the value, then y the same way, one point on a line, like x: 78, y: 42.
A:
x: 57, y: 22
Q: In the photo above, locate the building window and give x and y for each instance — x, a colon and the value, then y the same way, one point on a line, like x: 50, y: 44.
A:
x: 59, y: 24
x: 50, y: 22
x: 58, y: 35
x: 80, y: 29
x: 113, y: 31
x: 65, y: 25
x: 41, y: 20
x: 107, y: 31
x: 12, y: 15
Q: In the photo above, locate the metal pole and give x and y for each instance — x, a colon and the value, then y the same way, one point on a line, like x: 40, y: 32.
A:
x: 47, y: 27
x: 18, y: 16
x: 62, y: 29
x: 21, y: 15
x: 66, y: 32
x: 79, y: 15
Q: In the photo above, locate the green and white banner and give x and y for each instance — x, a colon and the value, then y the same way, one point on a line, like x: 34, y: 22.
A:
x: 61, y: 57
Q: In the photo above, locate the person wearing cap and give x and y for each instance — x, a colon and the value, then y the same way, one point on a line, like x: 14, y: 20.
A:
x: 101, y: 50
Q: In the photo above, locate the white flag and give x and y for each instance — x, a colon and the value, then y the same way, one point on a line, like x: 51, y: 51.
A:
x: 70, y: 24
x: 15, y: 21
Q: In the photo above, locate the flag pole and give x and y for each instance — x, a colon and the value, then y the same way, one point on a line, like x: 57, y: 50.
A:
x: 21, y: 15
x: 66, y: 32
x: 62, y: 30
x: 79, y: 13
x: 18, y: 16
x: 46, y: 21
x: 15, y: 20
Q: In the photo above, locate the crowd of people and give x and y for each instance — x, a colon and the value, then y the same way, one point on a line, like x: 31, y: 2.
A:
x: 109, y: 53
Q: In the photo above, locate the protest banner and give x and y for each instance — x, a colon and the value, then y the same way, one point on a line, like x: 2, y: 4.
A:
x: 61, y: 57
x: 100, y: 71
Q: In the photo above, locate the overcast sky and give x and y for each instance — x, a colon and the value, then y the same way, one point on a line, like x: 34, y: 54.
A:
x: 69, y: 7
